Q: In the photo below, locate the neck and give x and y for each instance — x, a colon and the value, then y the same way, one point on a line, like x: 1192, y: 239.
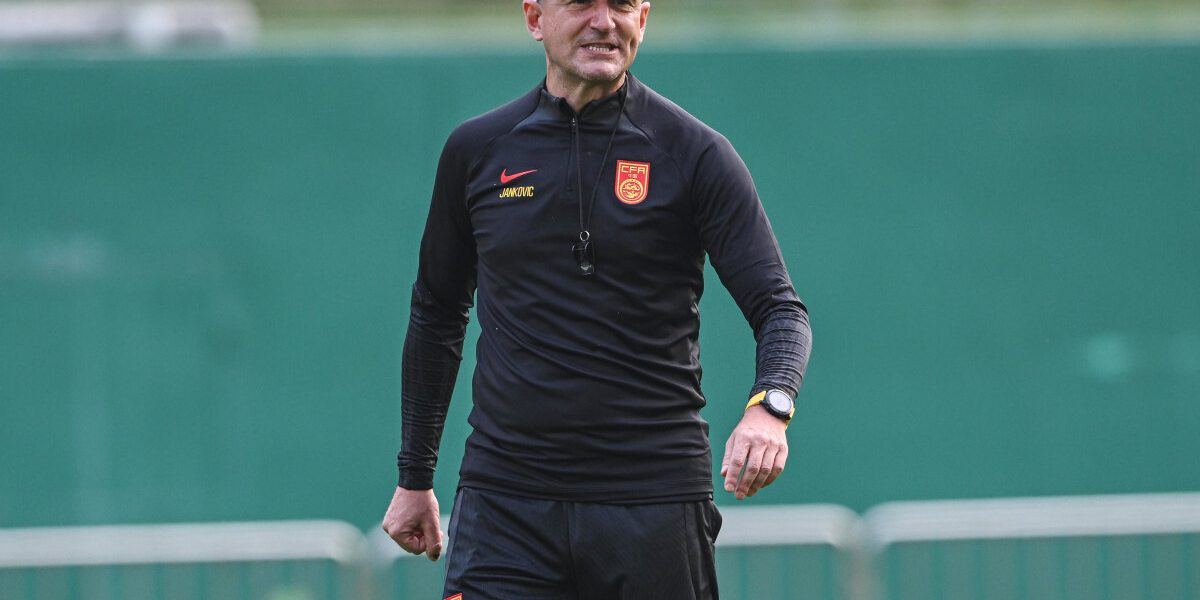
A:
x: 579, y: 93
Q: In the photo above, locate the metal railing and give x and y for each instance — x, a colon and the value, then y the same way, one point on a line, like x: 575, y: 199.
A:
x: 1101, y: 547
x: 285, y: 560
x: 1136, y: 547
x: 790, y: 552
x: 143, y: 24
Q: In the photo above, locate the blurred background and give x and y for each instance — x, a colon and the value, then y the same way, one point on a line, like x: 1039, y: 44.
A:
x: 210, y: 214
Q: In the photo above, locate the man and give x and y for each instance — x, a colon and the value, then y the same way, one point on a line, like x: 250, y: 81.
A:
x: 580, y: 214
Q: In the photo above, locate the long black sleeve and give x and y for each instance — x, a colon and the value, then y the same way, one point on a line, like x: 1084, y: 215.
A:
x: 745, y: 253
x: 441, y: 300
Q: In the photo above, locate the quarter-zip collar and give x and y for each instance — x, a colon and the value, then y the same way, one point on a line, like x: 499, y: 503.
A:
x: 602, y: 110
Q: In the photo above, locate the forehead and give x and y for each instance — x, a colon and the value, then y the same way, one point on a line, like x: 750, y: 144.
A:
x: 623, y: 7
x: 569, y: 2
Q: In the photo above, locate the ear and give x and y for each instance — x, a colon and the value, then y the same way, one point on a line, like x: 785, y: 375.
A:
x: 645, y: 16
x: 533, y: 18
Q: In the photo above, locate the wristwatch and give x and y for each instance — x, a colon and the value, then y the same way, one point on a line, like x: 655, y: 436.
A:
x: 776, y: 402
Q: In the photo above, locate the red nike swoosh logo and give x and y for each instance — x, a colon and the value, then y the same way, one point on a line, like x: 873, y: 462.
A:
x: 505, y: 177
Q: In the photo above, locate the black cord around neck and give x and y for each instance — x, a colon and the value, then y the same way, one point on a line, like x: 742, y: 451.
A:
x: 585, y: 236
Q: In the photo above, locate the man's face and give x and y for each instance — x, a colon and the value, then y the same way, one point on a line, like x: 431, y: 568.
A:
x: 588, y: 41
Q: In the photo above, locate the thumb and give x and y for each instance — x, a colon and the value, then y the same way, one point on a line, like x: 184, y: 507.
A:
x: 433, y: 538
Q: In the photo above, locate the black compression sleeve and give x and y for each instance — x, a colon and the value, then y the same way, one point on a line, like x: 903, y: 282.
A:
x: 784, y: 343
x: 429, y: 369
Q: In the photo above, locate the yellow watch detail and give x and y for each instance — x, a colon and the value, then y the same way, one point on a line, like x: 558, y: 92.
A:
x: 758, y: 399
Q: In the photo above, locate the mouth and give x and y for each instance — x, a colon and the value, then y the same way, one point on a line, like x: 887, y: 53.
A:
x: 600, y: 48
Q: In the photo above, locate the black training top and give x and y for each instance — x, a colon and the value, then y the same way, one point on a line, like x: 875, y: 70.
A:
x: 587, y: 387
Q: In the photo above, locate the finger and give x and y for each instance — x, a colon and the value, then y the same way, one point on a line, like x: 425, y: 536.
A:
x: 408, y: 541
x: 728, y: 470
x: 433, y: 538
x: 411, y: 541
x: 764, y: 470
x: 753, y: 465
x: 398, y: 535
x: 736, y: 460
x: 777, y: 469
x: 725, y: 457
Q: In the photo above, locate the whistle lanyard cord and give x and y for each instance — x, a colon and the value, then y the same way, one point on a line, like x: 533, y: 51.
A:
x: 584, y: 234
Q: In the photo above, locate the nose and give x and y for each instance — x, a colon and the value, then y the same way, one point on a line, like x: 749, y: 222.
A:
x: 602, y: 19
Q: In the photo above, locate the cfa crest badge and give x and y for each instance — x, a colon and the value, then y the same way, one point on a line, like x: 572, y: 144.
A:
x: 633, y: 181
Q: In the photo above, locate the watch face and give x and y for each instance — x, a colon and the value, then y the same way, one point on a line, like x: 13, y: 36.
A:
x: 779, y: 402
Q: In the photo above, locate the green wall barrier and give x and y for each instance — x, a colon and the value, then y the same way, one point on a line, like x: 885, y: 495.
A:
x: 205, y: 262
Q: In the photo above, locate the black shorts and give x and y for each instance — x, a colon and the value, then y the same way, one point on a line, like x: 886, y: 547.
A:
x: 506, y: 547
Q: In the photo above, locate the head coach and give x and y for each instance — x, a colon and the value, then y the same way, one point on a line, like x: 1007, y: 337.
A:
x: 578, y: 217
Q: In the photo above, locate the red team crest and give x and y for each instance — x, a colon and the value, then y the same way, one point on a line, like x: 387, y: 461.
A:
x: 633, y: 181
